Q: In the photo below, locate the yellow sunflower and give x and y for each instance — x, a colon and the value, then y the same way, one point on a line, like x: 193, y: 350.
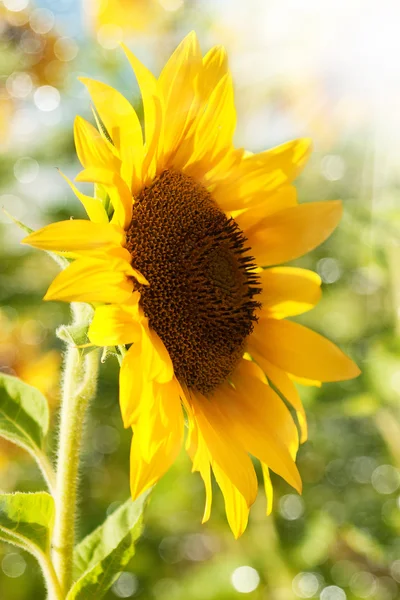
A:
x: 118, y: 17
x: 184, y: 273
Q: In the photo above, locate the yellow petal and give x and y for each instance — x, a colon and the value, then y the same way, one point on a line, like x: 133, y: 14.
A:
x: 120, y: 194
x: 93, y: 206
x: 237, y: 510
x: 288, y: 291
x: 221, y: 170
x: 262, y: 174
x: 146, y: 362
x: 117, y: 115
x: 302, y: 352
x: 166, y: 437
x: 115, y: 324
x: 215, y: 66
x: 283, y: 384
x: 292, y: 232
x: 91, y: 149
x: 133, y: 389
x: 159, y: 365
x: 263, y: 423
x: 284, y: 197
x: 305, y: 381
x: 199, y: 454
x: 76, y: 236
x: 223, y: 450
x: 178, y: 83
x: 213, y: 131
x: 269, y: 490
x: 153, y: 115
x: 157, y: 419
x: 92, y: 280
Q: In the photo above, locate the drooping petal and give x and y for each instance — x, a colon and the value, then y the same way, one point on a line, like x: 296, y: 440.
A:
x: 262, y: 174
x: 269, y: 490
x: 164, y: 435
x: 230, y: 457
x: 198, y: 452
x: 285, y: 386
x: 155, y: 420
x: 92, y: 280
x: 115, y: 324
x: 76, y: 236
x: 146, y: 362
x: 236, y: 507
x: 302, y: 352
x: 94, y: 207
x: 288, y: 291
x: 262, y: 422
x: 292, y: 232
x: 133, y: 390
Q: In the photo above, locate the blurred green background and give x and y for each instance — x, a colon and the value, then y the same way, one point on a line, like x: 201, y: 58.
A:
x: 327, y: 70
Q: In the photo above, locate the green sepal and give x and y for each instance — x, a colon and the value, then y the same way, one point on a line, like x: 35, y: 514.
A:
x: 77, y: 334
x: 60, y: 260
x: 107, y: 352
x: 104, y: 553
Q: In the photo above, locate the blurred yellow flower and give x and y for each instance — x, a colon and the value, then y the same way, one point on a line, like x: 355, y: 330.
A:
x: 20, y: 355
x: 177, y: 273
x: 130, y: 15
x: 113, y: 20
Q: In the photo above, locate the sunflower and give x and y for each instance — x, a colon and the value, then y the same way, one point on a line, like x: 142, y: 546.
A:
x: 118, y: 17
x: 184, y: 274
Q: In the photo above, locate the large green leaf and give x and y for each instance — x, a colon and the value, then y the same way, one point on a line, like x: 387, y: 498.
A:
x: 24, y: 413
x: 26, y: 520
x: 104, y: 553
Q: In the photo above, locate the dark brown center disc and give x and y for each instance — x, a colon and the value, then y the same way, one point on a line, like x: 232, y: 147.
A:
x: 200, y: 297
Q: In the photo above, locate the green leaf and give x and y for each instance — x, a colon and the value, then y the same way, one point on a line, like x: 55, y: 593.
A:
x: 24, y: 413
x: 26, y: 520
x: 104, y: 553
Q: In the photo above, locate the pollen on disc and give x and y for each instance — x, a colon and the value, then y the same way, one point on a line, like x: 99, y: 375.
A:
x: 202, y: 283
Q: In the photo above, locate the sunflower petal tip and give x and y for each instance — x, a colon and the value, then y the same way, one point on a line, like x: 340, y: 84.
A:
x: 353, y: 370
x: 48, y: 296
x: 237, y: 533
x: 25, y: 240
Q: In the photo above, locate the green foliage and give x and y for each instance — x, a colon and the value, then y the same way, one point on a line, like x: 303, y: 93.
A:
x: 24, y: 414
x: 103, y: 554
x: 26, y: 520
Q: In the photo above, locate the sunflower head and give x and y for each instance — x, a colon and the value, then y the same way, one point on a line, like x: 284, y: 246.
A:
x: 200, y: 298
x: 184, y: 275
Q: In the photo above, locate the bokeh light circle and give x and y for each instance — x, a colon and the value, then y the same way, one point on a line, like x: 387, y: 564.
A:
x: 245, y: 579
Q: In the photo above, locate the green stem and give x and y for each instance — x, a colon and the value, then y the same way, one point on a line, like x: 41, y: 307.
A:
x: 47, y: 470
x: 53, y: 586
x: 80, y: 382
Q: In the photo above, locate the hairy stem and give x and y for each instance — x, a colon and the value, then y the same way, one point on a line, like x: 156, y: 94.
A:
x: 80, y: 382
x: 54, y: 590
x: 47, y: 471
